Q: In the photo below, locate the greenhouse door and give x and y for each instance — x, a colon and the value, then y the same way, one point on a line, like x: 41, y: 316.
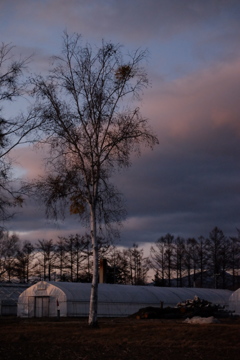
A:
x: 41, y: 306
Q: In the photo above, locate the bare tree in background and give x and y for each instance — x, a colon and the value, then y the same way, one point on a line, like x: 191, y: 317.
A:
x: 24, y: 262
x: 91, y: 127
x: 169, y: 242
x: 157, y: 258
x: 179, y: 259
x: 202, y: 257
x: 9, y: 247
x: 234, y: 261
x: 47, y: 258
x: 61, y: 258
x: 214, y: 246
x: 191, y: 260
x: 138, y: 265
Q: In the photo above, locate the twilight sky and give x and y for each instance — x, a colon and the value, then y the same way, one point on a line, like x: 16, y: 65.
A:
x: 191, y: 181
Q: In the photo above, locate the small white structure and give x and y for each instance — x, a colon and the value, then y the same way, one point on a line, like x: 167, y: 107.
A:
x: 72, y: 299
x: 234, y: 302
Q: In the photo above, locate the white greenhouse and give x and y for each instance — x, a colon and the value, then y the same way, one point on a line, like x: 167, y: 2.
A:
x: 9, y: 294
x: 72, y: 299
x: 234, y: 302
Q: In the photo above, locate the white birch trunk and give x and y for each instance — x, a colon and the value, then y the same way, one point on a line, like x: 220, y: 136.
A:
x: 92, y: 320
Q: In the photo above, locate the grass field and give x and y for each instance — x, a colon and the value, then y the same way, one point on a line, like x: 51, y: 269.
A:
x: 72, y: 339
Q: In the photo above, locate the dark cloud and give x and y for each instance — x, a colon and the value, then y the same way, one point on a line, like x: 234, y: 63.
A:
x: 190, y: 183
x: 136, y: 20
x: 126, y: 19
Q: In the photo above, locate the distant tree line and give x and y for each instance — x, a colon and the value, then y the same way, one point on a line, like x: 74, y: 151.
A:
x: 68, y: 259
x: 204, y: 262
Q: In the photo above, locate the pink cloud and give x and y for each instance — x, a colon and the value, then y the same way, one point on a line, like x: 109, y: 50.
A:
x: 204, y: 101
x: 28, y: 161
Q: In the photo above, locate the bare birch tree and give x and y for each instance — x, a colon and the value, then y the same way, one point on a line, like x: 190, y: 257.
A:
x: 91, y: 128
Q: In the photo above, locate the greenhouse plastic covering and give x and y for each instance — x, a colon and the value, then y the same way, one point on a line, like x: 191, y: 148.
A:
x: 72, y: 299
x: 11, y: 291
x: 9, y: 294
x: 234, y: 302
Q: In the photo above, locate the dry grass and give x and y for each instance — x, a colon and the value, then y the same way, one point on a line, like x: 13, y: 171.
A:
x: 70, y: 339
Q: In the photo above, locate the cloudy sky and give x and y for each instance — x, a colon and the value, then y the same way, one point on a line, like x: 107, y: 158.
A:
x: 191, y: 181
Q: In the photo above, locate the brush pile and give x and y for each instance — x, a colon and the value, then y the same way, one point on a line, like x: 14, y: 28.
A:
x: 185, y: 309
x: 198, y: 307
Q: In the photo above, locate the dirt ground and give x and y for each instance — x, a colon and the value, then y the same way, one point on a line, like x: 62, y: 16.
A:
x: 72, y: 339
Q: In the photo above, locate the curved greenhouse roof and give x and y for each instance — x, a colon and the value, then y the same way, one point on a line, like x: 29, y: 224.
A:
x: 9, y: 294
x: 145, y: 294
x: 72, y: 299
x: 11, y: 291
x: 234, y: 302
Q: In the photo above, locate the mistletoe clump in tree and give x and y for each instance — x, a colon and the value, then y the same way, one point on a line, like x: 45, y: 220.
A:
x: 91, y: 129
